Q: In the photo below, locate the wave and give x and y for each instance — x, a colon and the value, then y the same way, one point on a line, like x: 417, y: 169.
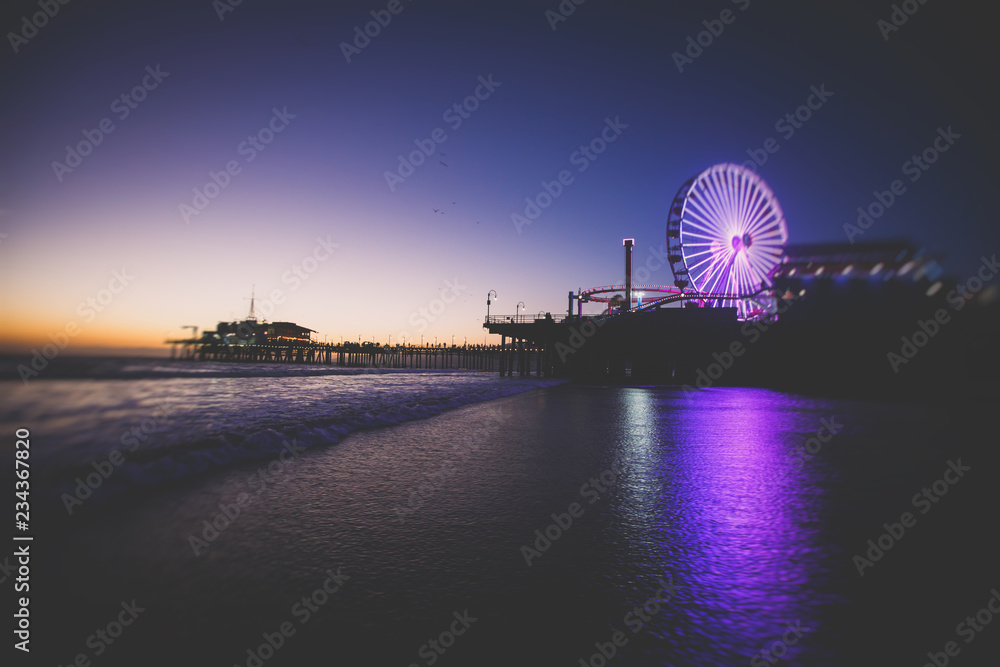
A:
x: 150, y: 468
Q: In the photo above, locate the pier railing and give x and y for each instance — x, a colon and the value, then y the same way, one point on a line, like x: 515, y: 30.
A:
x: 352, y: 355
x: 523, y: 319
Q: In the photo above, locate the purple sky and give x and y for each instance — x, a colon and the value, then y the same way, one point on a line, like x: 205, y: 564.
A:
x: 308, y: 214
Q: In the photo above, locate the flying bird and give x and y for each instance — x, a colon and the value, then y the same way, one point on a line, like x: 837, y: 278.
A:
x: 442, y: 163
x: 436, y: 210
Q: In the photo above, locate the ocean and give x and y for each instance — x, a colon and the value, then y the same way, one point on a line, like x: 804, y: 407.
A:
x: 190, y: 513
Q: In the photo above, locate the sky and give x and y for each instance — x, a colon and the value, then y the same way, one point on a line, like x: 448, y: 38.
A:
x: 161, y: 160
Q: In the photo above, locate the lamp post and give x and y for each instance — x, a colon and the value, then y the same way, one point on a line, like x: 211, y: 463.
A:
x: 520, y: 304
x: 494, y: 293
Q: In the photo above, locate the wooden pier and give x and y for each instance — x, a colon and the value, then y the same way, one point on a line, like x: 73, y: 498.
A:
x: 662, y: 344
x: 350, y: 355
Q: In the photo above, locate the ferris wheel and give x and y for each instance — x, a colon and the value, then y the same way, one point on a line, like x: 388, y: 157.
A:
x: 725, y: 232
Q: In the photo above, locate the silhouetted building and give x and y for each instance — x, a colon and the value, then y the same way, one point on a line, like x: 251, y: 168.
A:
x: 252, y: 332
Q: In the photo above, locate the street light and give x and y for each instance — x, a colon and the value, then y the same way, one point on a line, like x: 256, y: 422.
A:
x: 520, y: 304
x: 494, y: 293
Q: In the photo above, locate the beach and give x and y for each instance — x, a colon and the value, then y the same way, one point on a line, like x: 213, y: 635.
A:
x: 563, y: 524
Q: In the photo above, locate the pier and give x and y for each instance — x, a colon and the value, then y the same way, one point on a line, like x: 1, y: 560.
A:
x: 659, y: 344
x: 825, y: 304
x: 649, y: 344
x: 346, y: 355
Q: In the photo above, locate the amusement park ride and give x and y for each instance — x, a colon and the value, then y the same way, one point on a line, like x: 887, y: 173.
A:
x: 726, y: 242
x: 725, y: 236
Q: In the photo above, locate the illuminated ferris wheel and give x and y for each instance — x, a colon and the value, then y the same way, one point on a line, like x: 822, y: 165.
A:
x: 725, y: 233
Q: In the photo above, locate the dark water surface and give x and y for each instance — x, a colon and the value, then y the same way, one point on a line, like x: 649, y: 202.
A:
x: 707, y: 540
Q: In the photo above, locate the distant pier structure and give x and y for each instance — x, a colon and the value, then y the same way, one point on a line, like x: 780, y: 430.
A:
x: 254, y: 341
x: 347, y: 355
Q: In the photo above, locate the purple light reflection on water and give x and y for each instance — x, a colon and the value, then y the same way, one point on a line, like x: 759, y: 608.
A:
x: 711, y: 496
